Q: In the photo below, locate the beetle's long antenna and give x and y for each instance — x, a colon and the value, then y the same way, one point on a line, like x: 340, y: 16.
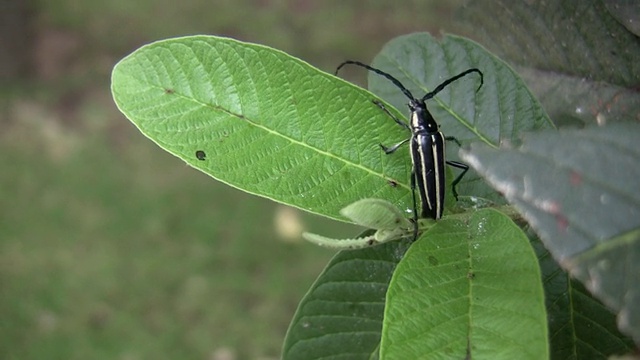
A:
x: 395, y: 81
x: 449, y: 81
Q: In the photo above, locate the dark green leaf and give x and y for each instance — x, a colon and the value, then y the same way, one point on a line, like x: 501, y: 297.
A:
x: 500, y: 110
x: 581, y: 61
x: 467, y: 289
x: 580, y: 327
x: 578, y: 38
x: 341, y: 315
x: 626, y: 12
x: 575, y: 102
x: 611, y: 271
x: 580, y: 191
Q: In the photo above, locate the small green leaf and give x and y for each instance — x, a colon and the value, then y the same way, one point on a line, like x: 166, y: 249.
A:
x: 468, y: 289
x: 500, y: 110
x: 579, y: 190
x: 384, y: 235
x: 375, y: 214
x: 341, y: 315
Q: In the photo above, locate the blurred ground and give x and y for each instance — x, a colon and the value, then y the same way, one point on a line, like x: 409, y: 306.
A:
x: 111, y: 248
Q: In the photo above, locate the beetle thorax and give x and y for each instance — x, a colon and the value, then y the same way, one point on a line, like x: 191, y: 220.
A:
x: 421, y: 118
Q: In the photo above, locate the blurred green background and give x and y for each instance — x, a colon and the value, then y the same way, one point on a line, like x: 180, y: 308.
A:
x: 111, y: 248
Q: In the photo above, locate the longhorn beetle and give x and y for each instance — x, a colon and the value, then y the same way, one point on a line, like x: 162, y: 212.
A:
x: 427, y: 147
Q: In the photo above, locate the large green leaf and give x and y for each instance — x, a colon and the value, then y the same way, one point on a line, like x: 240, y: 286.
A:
x: 580, y: 191
x: 341, y: 315
x: 262, y: 121
x: 470, y: 288
x: 499, y: 111
x: 579, y: 57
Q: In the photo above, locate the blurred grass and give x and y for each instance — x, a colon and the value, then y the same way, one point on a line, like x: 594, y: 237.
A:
x: 111, y: 248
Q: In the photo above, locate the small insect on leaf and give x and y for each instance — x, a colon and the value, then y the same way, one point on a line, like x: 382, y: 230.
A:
x: 426, y: 144
x: 341, y: 244
x: 201, y: 155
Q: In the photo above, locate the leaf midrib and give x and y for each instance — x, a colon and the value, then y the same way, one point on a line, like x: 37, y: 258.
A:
x: 275, y: 133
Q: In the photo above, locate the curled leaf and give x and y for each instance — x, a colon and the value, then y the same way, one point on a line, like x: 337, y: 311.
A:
x: 375, y: 214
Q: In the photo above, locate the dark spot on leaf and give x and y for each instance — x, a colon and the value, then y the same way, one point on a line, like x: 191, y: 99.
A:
x: 169, y: 91
x: 371, y: 242
x: 471, y: 275
x: 393, y: 183
x: 552, y: 207
x: 575, y: 178
x: 433, y: 261
x: 562, y: 222
x: 201, y: 155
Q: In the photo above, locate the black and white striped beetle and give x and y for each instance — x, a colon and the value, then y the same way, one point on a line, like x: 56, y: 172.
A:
x: 427, y: 147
